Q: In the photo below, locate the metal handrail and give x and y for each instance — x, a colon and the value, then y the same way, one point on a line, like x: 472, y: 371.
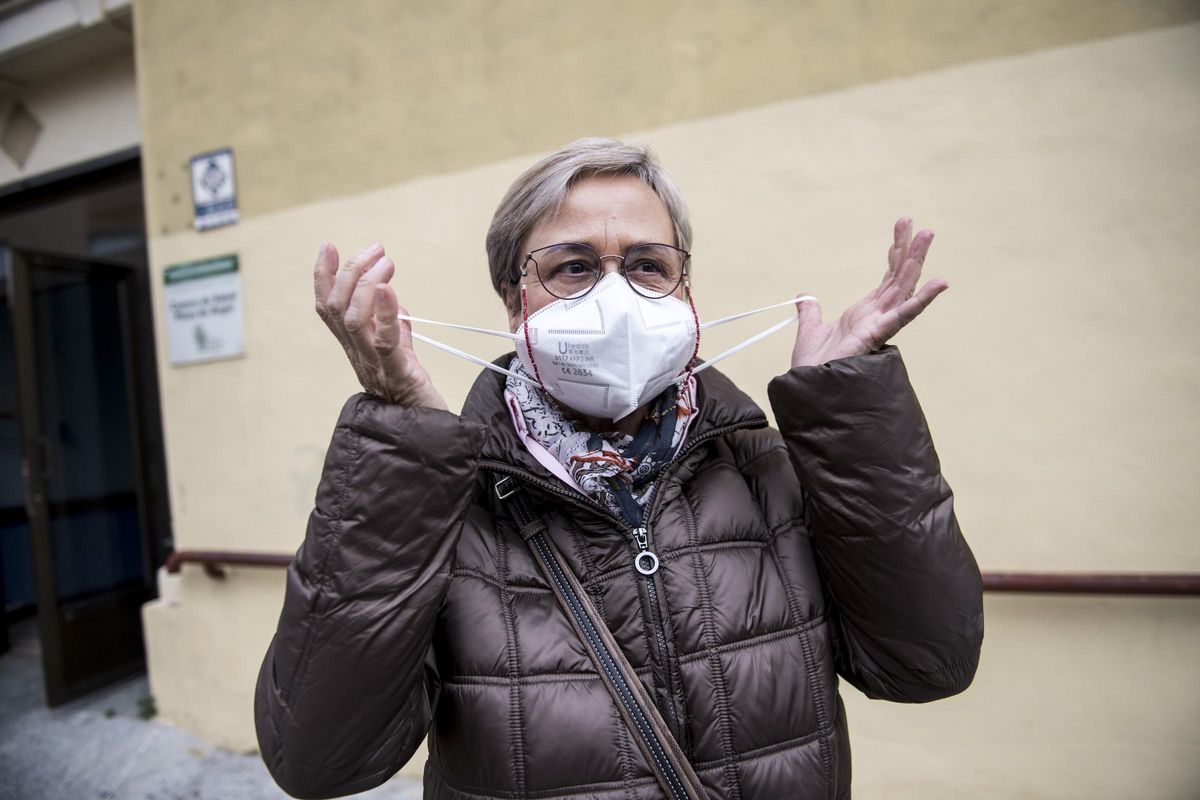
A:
x: 1158, y: 584
x: 1137, y: 583
x: 213, y: 559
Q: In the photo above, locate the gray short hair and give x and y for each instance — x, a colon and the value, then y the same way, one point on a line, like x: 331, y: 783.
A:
x: 539, y: 193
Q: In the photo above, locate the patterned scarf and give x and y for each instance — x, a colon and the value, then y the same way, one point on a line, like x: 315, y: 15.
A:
x: 613, y: 468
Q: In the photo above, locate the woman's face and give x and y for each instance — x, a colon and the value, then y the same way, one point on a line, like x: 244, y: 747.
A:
x: 609, y: 213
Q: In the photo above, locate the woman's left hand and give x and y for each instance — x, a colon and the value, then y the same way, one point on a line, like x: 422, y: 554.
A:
x: 870, y: 322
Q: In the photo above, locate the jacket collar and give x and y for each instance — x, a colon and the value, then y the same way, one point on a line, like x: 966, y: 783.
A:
x: 721, y: 404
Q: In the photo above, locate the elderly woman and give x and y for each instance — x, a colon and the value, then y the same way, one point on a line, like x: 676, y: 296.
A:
x: 607, y: 577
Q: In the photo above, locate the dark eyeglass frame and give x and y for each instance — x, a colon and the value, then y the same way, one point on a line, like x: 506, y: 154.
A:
x: 683, y: 272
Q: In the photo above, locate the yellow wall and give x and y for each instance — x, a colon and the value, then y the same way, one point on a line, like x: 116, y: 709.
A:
x: 327, y: 99
x: 1059, y: 373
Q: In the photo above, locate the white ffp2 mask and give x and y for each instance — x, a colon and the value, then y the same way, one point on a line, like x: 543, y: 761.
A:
x: 609, y: 352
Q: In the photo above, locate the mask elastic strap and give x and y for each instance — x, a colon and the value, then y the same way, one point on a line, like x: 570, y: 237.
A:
x: 472, y: 328
x: 460, y: 353
x: 757, y: 337
x: 732, y: 317
x: 474, y: 359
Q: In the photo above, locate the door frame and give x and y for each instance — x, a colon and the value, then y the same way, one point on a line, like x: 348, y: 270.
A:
x: 18, y: 266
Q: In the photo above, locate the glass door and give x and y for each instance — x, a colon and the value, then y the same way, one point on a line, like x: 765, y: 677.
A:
x: 82, y: 466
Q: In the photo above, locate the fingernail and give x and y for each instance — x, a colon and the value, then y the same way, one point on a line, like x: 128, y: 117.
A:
x: 322, y: 248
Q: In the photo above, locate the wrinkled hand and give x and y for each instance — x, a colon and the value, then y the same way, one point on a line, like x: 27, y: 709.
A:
x: 870, y: 322
x: 360, y: 308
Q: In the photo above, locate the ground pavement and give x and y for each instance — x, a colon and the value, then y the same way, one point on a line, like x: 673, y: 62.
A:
x: 98, y: 748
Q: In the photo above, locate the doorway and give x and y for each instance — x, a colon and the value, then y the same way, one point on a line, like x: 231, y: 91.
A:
x: 83, y: 514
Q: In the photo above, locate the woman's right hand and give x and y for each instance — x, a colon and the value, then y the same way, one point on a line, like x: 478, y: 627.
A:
x: 360, y: 308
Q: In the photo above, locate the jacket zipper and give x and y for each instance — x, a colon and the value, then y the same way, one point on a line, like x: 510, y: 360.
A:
x: 657, y: 750
x: 660, y: 636
x: 651, y: 586
x: 641, y: 538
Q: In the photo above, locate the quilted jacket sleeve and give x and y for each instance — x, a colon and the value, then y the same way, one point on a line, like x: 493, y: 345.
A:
x: 348, y: 686
x: 904, y: 589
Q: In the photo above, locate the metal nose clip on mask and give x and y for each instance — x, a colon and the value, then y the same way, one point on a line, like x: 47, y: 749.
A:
x: 610, y: 351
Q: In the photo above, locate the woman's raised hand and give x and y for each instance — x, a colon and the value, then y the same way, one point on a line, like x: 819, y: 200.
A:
x: 870, y: 322
x: 360, y: 308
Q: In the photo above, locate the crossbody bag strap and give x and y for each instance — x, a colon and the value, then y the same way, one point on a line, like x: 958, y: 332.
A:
x: 651, y: 733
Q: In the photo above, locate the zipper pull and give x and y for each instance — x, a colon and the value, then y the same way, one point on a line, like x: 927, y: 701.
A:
x: 645, y: 561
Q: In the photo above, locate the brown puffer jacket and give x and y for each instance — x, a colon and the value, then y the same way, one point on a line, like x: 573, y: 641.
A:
x: 413, y: 606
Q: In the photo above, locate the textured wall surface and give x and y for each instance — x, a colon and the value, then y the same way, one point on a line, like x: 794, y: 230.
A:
x: 1059, y: 373
x: 327, y: 99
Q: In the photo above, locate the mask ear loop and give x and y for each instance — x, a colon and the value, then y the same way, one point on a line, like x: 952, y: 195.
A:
x: 757, y: 337
x: 461, y: 353
x: 712, y: 323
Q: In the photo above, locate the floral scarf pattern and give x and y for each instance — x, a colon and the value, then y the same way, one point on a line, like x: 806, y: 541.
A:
x: 613, y: 468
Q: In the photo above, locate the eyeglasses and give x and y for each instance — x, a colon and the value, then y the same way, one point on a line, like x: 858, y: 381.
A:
x: 571, y: 269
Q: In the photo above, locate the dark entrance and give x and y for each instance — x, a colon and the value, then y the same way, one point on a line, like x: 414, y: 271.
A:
x: 83, y: 517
